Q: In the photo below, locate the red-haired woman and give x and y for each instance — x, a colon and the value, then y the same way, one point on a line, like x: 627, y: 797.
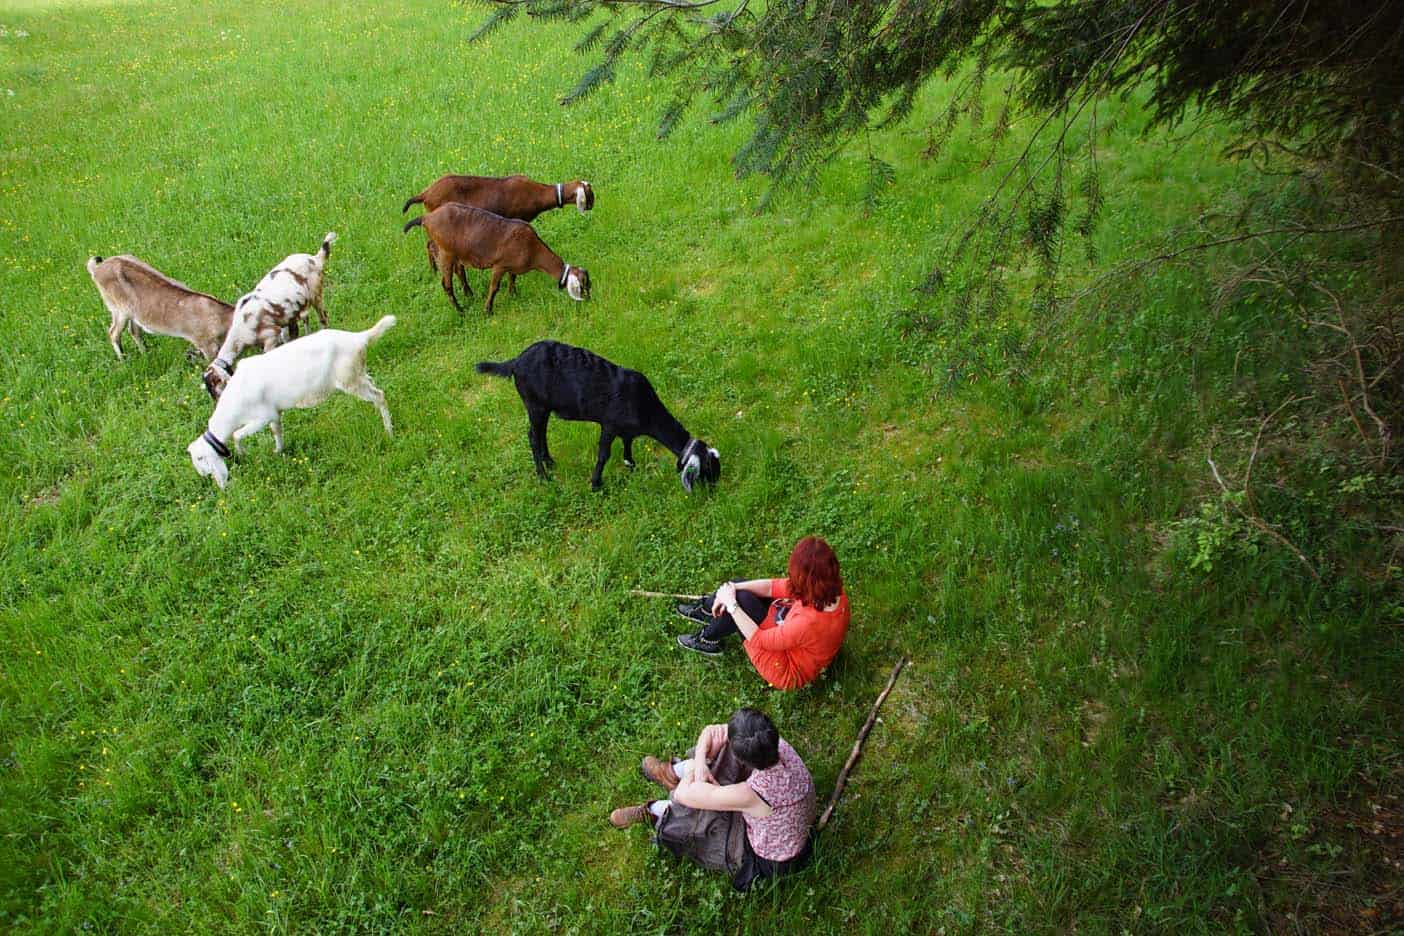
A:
x: 792, y: 627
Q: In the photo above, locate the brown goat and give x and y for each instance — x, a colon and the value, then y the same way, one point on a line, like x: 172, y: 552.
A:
x: 142, y: 298
x: 513, y: 196
x: 470, y: 237
x: 510, y: 196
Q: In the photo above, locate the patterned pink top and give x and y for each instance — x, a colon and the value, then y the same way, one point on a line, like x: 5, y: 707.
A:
x: 789, y: 790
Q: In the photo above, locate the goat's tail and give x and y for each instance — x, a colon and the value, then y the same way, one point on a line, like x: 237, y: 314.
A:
x: 416, y: 200
x: 379, y: 328
x: 326, y: 244
x: 413, y: 222
x: 497, y: 369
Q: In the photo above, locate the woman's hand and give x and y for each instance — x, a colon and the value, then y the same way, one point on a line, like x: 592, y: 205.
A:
x: 725, y: 600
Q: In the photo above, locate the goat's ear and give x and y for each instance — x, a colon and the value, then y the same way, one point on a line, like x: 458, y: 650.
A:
x: 690, y: 472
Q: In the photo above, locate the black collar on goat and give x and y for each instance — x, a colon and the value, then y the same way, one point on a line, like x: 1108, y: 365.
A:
x: 220, y: 448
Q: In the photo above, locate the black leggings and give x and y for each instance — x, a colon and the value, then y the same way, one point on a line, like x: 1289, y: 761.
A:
x: 754, y: 605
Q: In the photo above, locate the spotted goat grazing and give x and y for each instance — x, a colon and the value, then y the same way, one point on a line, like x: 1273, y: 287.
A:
x: 513, y: 196
x: 577, y: 384
x: 142, y: 298
x: 470, y: 237
x: 269, y: 314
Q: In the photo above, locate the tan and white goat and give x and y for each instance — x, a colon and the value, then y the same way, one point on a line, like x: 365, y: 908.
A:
x: 142, y: 298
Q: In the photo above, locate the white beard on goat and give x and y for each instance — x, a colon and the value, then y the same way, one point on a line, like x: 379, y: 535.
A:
x: 580, y: 196
x: 573, y: 286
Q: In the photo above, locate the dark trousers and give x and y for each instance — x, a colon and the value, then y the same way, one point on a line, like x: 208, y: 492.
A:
x: 754, y: 605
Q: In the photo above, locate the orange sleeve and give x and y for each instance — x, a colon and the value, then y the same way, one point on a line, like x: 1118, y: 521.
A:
x: 780, y: 588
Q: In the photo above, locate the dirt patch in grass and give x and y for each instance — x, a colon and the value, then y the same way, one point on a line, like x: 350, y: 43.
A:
x: 43, y: 498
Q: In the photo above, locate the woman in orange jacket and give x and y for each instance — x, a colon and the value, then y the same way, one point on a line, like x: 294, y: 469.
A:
x: 791, y: 627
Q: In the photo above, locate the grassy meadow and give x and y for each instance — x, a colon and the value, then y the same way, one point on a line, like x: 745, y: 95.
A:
x: 397, y: 684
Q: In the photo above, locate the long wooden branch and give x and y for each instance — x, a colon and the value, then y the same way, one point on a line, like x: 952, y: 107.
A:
x: 654, y: 594
x: 858, y: 745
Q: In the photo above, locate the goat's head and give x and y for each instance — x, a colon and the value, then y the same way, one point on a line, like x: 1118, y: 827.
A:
x: 216, y: 378
x: 208, y: 462
x: 576, y: 281
x: 698, y: 462
x: 584, y: 196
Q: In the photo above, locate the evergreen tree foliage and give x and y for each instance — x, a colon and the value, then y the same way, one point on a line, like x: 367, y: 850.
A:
x: 1326, y: 78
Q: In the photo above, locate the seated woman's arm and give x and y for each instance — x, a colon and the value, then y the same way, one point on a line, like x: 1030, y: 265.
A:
x: 756, y: 587
x: 734, y: 797
x: 712, y: 739
x: 726, y: 601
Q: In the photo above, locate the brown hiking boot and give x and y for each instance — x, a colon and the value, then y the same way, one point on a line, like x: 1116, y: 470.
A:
x: 660, y: 772
x: 625, y: 816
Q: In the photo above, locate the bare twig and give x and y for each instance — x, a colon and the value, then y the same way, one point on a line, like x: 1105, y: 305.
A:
x: 1300, y: 230
x: 654, y: 594
x: 1257, y: 440
x: 858, y: 745
x: 1344, y: 328
x: 1252, y: 517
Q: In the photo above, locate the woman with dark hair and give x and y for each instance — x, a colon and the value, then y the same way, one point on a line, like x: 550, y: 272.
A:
x: 791, y: 627
x: 742, y: 802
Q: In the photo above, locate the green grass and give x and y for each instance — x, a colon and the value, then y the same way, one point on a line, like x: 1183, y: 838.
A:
x: 398, y: 684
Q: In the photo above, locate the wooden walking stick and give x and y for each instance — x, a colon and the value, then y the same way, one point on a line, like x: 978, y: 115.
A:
x: 858, y: 745
x: 653, y: 594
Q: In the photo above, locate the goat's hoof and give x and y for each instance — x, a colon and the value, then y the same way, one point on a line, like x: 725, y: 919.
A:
x: 628, y: 464
x: 597, y: 485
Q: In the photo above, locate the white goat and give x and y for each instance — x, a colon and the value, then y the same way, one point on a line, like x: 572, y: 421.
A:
x: 268, y: 313
x: 297, y: 375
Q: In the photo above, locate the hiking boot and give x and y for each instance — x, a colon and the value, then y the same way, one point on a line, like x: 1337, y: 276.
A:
x: 698, y: 612
x: 699, y: 644
x: 625, y: 816
x: 660, y: 772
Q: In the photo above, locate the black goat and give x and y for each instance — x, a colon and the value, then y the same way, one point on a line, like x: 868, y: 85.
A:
x: 578, y: 384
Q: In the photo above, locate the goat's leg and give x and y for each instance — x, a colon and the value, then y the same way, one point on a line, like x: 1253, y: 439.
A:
x: 321, y: 309
x: 248, y: 429
x: 606, y: 442
x: 628, y: 451
x: 433, y: 251
x: 369, y: 392
x: 135, y: 331
x: 292, y: 329
x: 536, y: 435
x: 276, y: 424
x: 447, y: 282
x: 463, y: 278
x: 511, y: 284
x: 114, y: 332
x: 492, y: 287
